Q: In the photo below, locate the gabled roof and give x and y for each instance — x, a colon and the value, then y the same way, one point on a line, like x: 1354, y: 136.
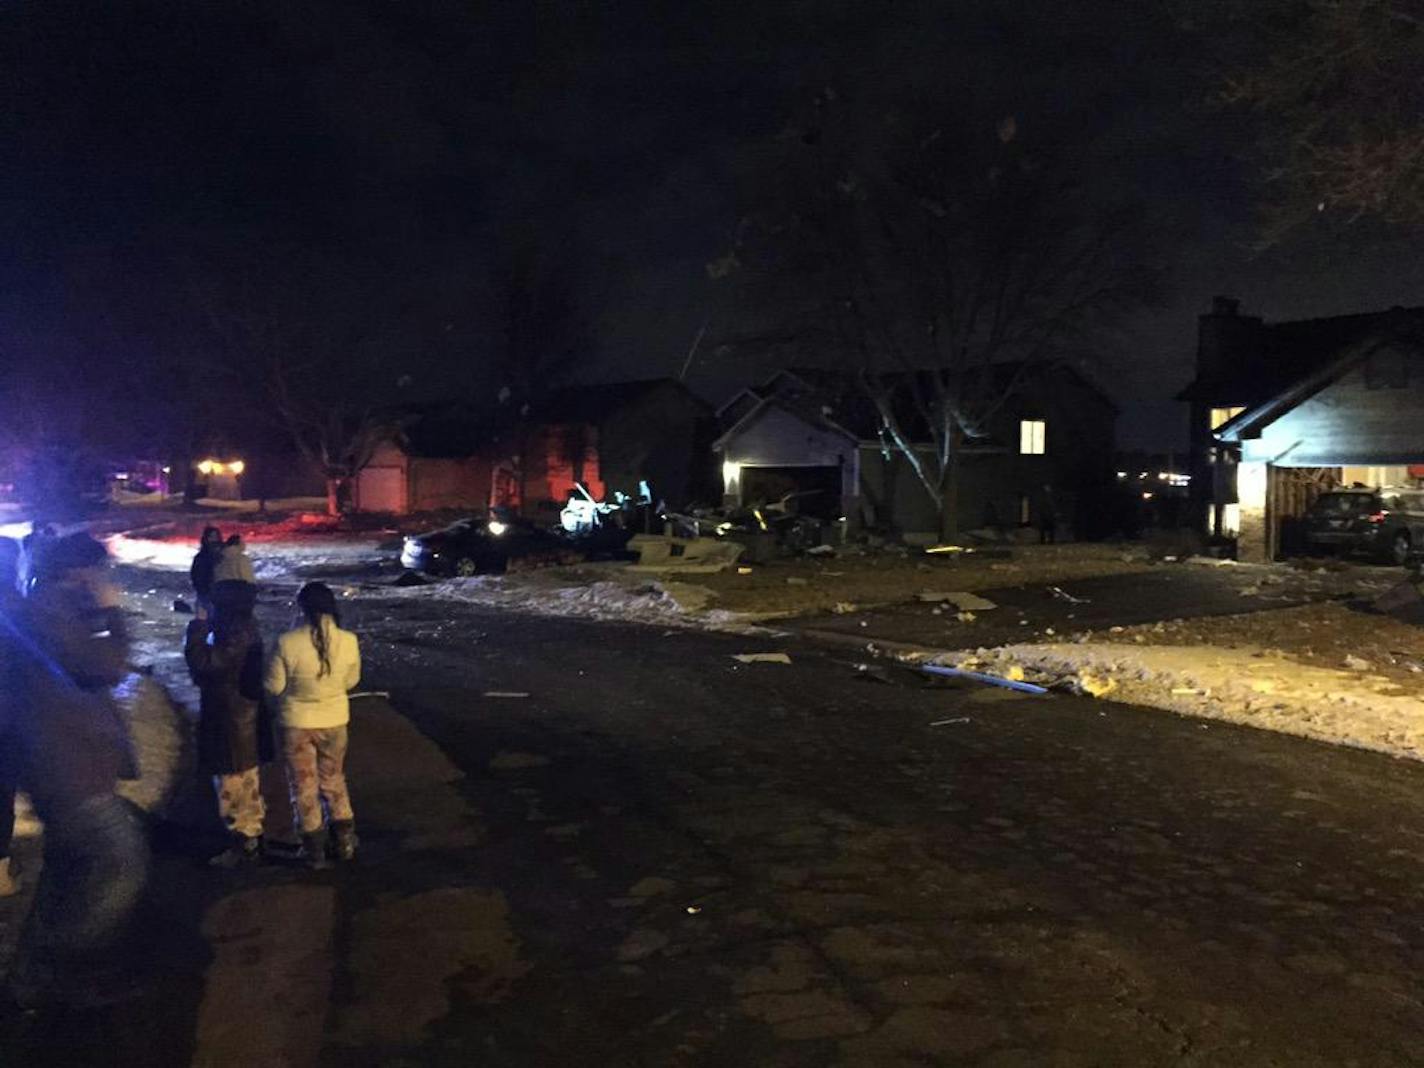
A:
x: 1249, y: 422
x: 834, y: 400
x: 1281, y: 354
x: 445, y: 432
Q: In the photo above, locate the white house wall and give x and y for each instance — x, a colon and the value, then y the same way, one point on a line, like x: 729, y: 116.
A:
x: 1348, y: 424
x: 777, y: 438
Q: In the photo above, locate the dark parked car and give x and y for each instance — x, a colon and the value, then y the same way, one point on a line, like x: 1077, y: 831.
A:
x: 1387, y: 524
x: 485, y: 546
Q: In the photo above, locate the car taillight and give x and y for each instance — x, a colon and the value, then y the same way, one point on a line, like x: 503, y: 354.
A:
x: 1376, y: 517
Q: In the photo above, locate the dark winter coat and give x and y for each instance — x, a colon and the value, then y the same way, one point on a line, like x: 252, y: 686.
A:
x: 9, y: 734
x: 202, y: 570
x: 71, y: 651
x: 234, y: 731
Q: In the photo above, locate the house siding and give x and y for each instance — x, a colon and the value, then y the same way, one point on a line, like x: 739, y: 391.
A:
x: 882, y: 491
x: 775, y: 437
x: 1348, y: 423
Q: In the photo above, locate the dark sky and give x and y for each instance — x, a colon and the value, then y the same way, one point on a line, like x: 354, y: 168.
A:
x: 424, y: 139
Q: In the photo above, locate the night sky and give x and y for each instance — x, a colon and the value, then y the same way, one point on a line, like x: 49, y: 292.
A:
x: 424, y: 141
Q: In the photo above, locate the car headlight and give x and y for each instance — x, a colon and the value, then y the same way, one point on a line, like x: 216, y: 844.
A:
x: 495, y: 527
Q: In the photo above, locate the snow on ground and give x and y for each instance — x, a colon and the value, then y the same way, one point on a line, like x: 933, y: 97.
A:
x: 272, y: 561
x: 1255, y: 687
x: 608, y: 593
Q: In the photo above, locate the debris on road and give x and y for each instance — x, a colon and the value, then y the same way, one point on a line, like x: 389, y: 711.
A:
x: 1064, y: 595
x: 761, y: 658
x: 873, y: 673
x: 1403, y: 601
x: 657, y: 552
x: 955, y: 719
x: 979, y: 676
x: 1092, y: 685
x: 844, y: 608
x: 965, y: 602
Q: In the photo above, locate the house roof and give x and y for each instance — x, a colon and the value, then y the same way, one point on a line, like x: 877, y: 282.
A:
x: 1281, y: 354
x: 834, y: 401
x: 1295, y: 393
x: 445, y: 432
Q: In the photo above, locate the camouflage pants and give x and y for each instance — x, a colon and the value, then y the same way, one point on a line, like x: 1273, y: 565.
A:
x: 240, y: 803
x: 316, y: 774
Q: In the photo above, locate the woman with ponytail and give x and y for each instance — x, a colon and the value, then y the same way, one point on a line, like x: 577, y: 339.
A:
x: 311, y: 671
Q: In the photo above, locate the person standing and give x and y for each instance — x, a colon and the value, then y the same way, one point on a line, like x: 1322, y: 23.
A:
x: 1047, y: 516
x: 310, y: 673
x: 224, y: 657
x: 210, y: 549
x: 9, y: 742
x: 234, y: 565
x: 71, y: 650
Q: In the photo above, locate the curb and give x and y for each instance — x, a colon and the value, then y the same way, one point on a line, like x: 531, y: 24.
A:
x: 866, y: 643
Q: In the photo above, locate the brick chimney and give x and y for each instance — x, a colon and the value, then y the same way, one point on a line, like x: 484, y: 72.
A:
x: 1226, y: 340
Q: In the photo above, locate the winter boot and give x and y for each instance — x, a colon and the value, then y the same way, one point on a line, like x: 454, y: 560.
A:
x: 344, y: 840
x: 9, y: 881
x: 243, y: 850
x: 314, y: 850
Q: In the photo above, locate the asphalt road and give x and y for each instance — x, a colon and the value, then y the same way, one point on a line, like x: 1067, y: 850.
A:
x: 660, y: 856
x: 1035, y: 612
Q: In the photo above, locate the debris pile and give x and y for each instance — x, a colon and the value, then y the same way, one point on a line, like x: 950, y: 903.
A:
x: 1350, y: 705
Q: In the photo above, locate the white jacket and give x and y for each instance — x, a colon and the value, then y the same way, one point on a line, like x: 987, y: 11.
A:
x: 309, y: 699
x: 234, y: 565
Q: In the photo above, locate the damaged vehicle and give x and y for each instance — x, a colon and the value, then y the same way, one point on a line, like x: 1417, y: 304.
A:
x: 490, y: 546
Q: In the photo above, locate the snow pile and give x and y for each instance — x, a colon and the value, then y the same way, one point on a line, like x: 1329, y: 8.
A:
x: 151, y: 552
x: 620, y: 598
x: 272, y: 561
x: 1254, y: 688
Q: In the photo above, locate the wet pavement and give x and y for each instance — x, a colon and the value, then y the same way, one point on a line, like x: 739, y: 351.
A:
x: 661, y: 856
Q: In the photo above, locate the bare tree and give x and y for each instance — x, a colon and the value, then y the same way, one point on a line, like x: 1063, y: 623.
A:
x: 322, y: 352
x: 1339, y: 88
x: 941, y: 259
x: 542, y: 336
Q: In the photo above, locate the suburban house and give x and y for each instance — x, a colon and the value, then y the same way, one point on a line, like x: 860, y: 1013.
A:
x: 441, y: 459
x: 607, y: 437
x: 1282, y: 411
x: 615, y: 435
x: 815, y: 433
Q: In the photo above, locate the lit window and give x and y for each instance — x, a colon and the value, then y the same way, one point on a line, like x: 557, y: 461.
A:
x: 1221, y: 416
x: 1032, y: 433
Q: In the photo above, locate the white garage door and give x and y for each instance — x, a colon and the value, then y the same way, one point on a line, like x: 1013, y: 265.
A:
x: 379, y: 489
